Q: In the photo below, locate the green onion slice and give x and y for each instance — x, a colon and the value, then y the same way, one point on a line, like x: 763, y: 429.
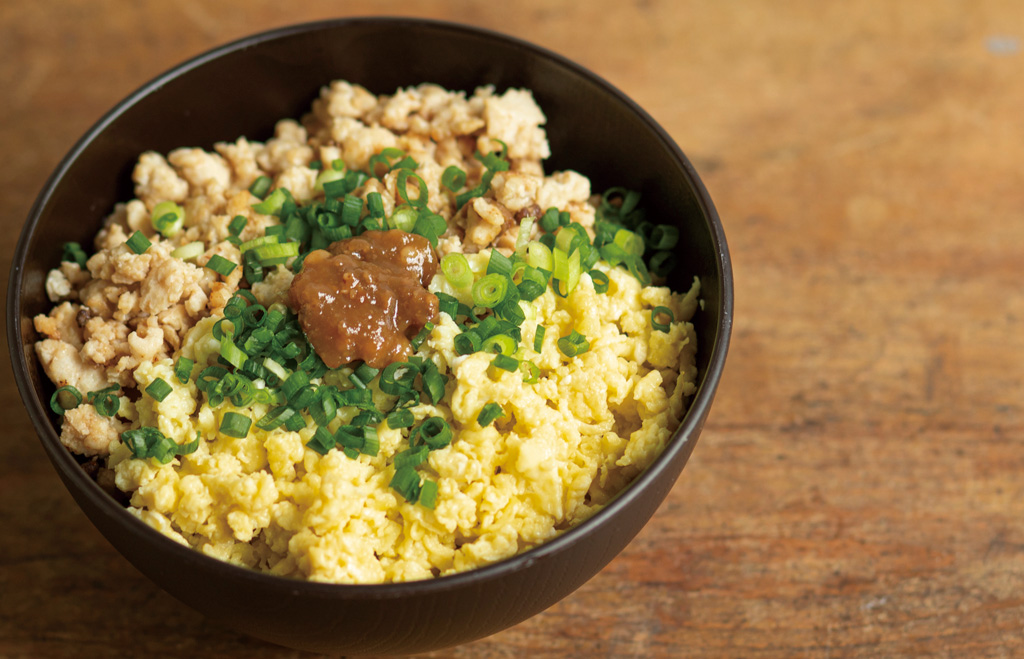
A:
x: 662, y: 319
x: 428, y: 494
x: 600, y: 280
x: 234, y: 424
x: 574, y: 344
x: 490, y: 289
x: 453, y: 178
x: 275, y: 254
x: 237, y: 224
x: 530, y: 371
x: 138, y: 242
x: 407, y: 483
x: 168, y: 218
x: 65, y: 398
x: 456, y: 270
x: 664, y: 236
x: 538, y: 338
x: 510, y: 364
x: 488, y: 413
x: 221, y: 265
x: 159, y: 389
x: 72, y: 252
x: 188, y: 250
x: 260, y: 187
x: 420, y: 202
x: 434, y: 432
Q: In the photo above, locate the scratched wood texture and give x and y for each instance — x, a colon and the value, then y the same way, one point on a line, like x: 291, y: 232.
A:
x: 857, y: 490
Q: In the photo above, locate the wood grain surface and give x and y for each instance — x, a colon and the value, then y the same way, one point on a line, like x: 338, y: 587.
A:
x: 857, y: 490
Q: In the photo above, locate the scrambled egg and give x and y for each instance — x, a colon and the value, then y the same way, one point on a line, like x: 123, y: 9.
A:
x: 565, y: 446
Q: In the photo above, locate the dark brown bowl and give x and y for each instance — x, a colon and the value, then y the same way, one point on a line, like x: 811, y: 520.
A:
x: 242, y: 89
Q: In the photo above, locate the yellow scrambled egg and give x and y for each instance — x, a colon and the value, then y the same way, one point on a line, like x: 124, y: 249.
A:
x: 565, y: 446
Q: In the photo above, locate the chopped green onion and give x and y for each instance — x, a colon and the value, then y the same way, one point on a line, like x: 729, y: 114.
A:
x: 275, y: 254
x: 402, y: 418
x: 539, y: 255
x: 431, y: 226
x: 574, y: 344
x: 453, y: 178
x: 530, y: 371
x: 322, y: 440
x: 434, y: 432
x: 384, y: 158
x: 499, y: 263
x: 397, y: 377
x: 275, y: 417
x: 274, y: 204
x: 159, y: 389
x: 662, y: 263
x: 105, y: 400
x: 256, y: 242
x: 149, y: 442
x: 420, y: 201
x: 549, y: 221
x: 138, y: 243
x: 422, y: 335
x: 65, y: 398
x: 534, y: 283
x: 407, y: 483
x: 600, y: 280
x: 72, y: 252
x: 523, y: 237
x: 362, y: 375
x: 404, y: 218
x: 456, y: 270
x: 490, y: 289
x: 433, y: 382
x: 375, y: 205
x: 260, y: 187
x: 411, y: 457
x: 234, y: 424
x: 280, y: 371
x: 428, y: 494
x: 191, y: 447
x: 371, y: 442
x: 237, y: 224
x: 188, y: 250
x: 505, y: 362
x: 664, y: 236
x: 231, y: 352
x: 351, y: 210
x: 221, y: 265
x: 295, y: 422
x: 662, y: 312
x: 538, y: 338
x: 326, y: 176
x: 168, y: 218
x: 630, y: 242
x: 502, y: 344
x: 639, y: 270
x: 468, y: 342
x: 489, y: 413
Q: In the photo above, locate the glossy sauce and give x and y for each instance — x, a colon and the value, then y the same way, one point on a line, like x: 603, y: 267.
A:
x: 365, y: 297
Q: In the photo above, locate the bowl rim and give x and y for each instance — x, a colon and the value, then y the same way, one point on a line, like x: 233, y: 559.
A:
x: 684, y: 435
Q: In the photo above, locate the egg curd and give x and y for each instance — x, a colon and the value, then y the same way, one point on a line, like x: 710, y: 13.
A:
x: 563, y: 446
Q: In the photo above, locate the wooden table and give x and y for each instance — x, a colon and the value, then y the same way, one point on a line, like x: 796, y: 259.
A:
x: 856, y: 491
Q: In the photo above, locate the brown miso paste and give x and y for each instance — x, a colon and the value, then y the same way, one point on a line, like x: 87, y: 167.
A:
x: 365, y: 297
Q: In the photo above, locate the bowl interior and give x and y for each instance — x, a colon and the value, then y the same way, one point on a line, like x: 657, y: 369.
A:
x: 240, y: 90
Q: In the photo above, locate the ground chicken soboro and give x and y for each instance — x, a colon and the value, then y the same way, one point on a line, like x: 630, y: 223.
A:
x: 567, y: 439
